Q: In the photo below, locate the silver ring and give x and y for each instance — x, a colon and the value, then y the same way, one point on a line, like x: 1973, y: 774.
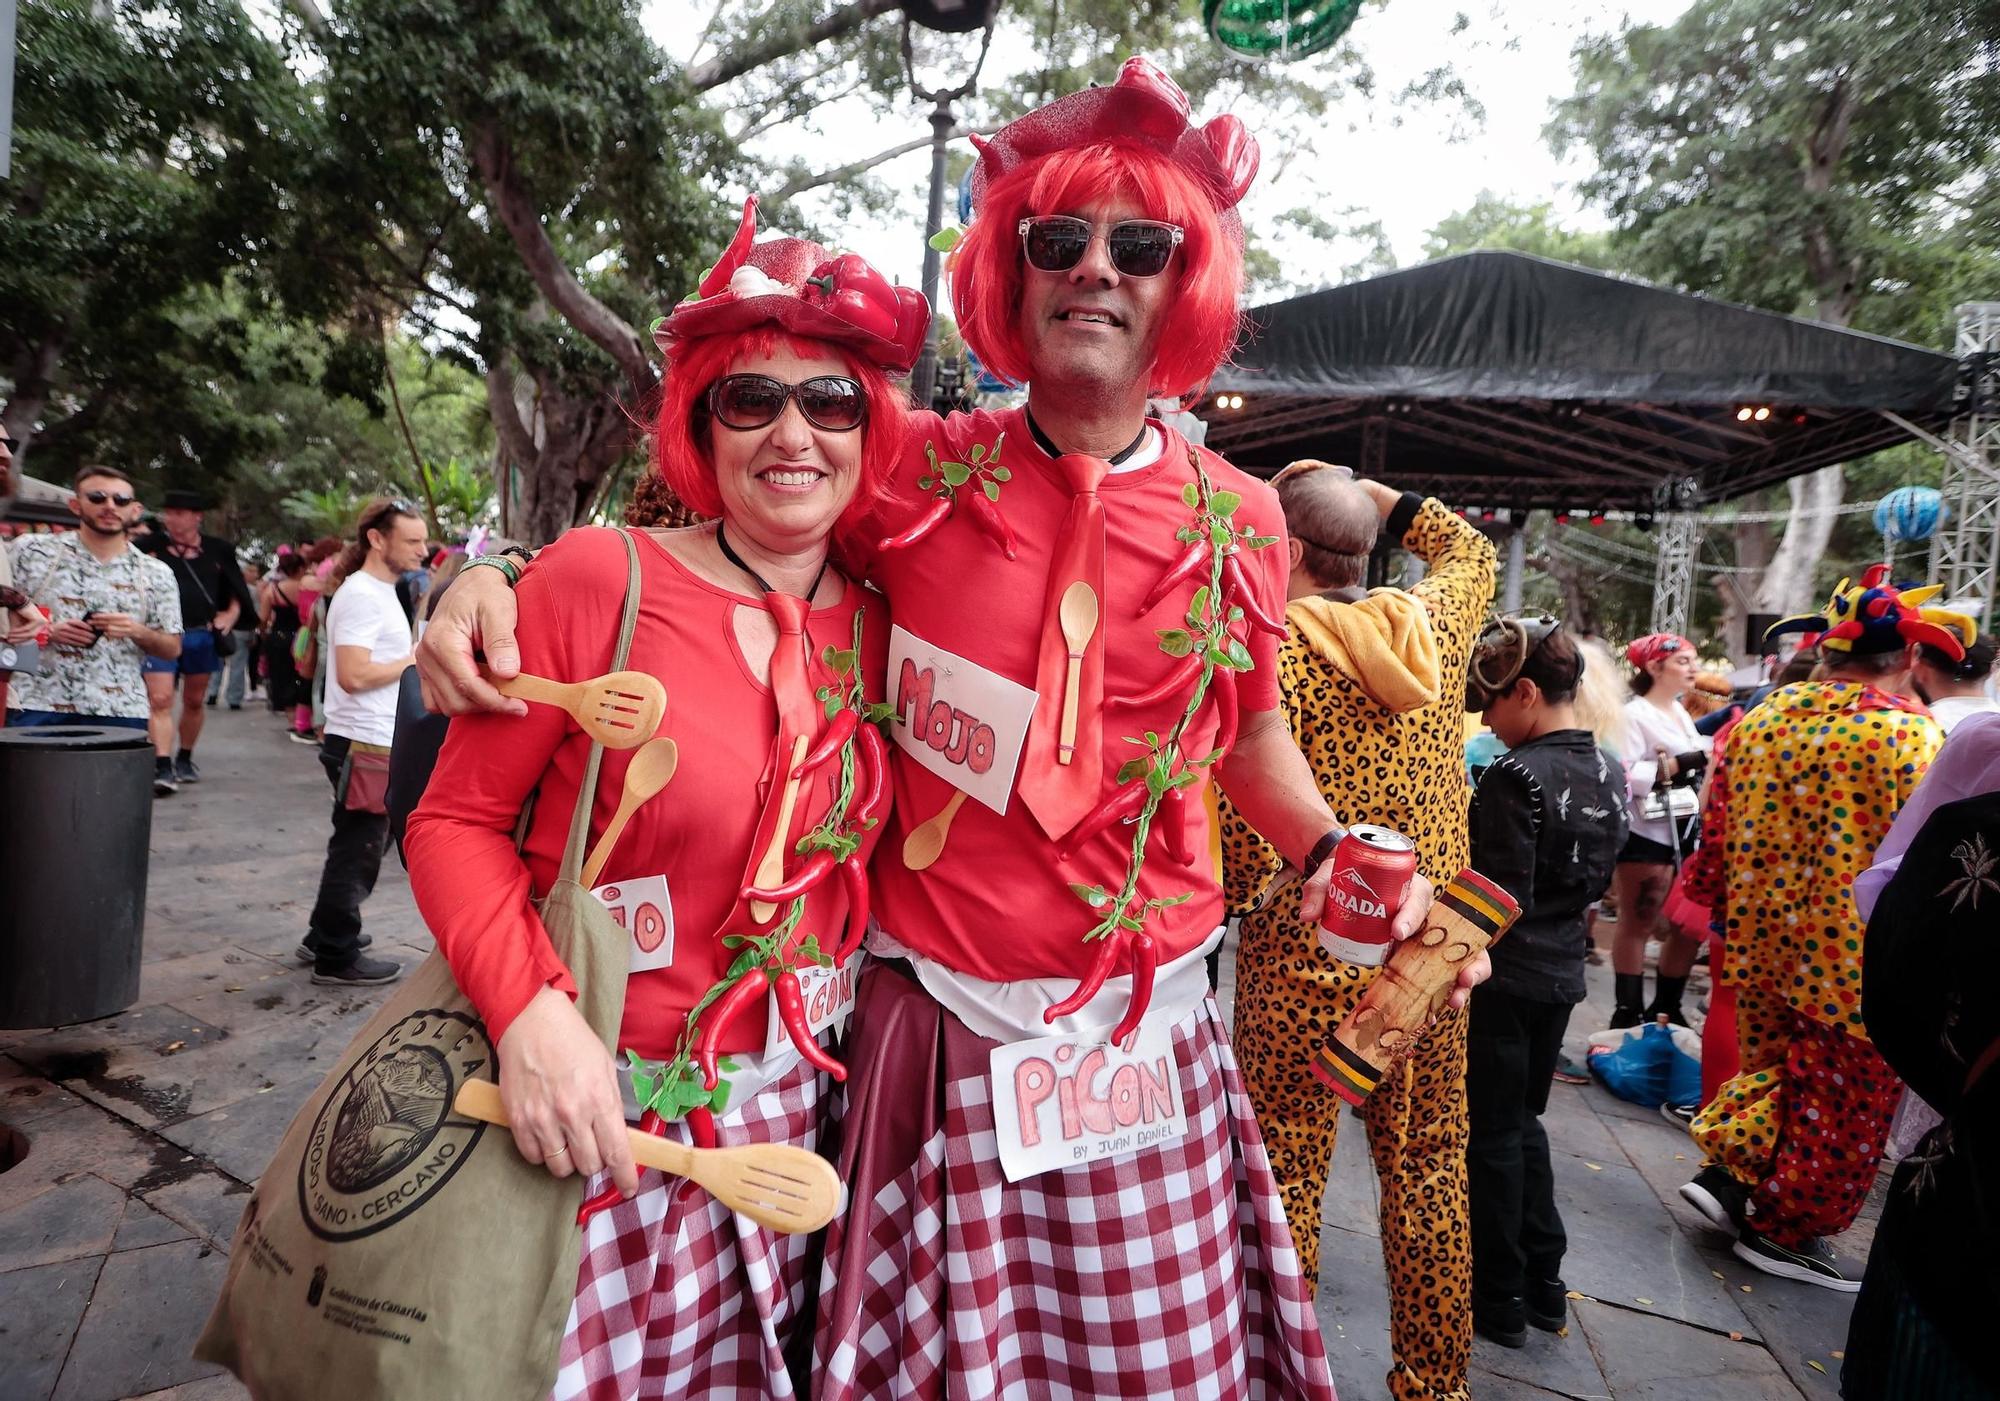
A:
x: 557, y: 1154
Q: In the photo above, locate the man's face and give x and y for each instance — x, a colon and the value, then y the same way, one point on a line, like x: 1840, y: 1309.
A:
x: 111, y: 511
x: 1092, y: 325
x: 401, y: 545
x: 1512, y: 714
x: 182, y: 524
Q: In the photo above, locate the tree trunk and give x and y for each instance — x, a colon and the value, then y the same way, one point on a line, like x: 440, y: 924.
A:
x: 1787, y: 585
x: 34, y: 381
x: 563, y: 446
x: 1753, y: 551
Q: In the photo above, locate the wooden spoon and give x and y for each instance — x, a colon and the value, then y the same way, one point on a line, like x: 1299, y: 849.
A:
x: 771, y: 870
x: 651, y: 769
x: 620, y: 709
x: 1078, y: 615
x: 787, y: 1188
x: 926, y: 843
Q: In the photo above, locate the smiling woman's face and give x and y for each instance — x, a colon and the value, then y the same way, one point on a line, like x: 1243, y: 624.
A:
x: 785, y: 485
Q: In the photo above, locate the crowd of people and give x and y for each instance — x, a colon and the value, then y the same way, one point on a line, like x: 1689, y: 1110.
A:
x: 981, y: 729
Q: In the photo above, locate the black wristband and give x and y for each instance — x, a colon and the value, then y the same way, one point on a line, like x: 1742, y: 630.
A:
x: 520, y: 552
x: 1400, y: 515
x: 1322, y: 850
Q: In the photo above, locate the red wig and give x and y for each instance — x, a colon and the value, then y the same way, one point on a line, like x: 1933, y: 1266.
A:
x: 681, y: 430
x: 987, y: 267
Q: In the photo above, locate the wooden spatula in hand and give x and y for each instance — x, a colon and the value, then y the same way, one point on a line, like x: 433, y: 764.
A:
x: 620, y: 709
x: 778, y: 1185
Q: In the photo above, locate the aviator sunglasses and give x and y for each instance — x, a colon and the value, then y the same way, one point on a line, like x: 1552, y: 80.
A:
x: 116, y: 498
x: 1138, y: 247
x: 831, y: 402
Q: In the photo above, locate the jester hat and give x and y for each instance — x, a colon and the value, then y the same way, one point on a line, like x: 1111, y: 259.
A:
x: 799, y: 286
x: 1143, y: 108
x: 1875, y: 617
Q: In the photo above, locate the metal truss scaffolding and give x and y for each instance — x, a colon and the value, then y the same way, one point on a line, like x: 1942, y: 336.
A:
x: 1680, y: 541
x: 1965, y: 552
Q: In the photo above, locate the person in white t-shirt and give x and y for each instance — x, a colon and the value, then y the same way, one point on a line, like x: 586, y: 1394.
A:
x: 1956, y: 690
x: 368, y: 644
x: 1664, y: 759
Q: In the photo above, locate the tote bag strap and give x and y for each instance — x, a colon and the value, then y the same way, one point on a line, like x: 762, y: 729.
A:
x: 579, y: 822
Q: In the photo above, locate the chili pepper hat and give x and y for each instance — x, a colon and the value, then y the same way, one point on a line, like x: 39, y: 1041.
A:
x: 1145, y: 108
x: 1875, y: 616
x: 800, y: 286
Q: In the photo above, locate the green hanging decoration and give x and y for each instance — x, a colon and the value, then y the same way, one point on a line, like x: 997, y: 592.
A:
x: 1278, y: 29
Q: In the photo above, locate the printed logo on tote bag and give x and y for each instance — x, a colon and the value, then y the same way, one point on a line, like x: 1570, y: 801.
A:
x: 386, y: 1140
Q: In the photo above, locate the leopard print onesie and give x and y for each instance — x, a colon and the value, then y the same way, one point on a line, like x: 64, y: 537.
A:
x: 1405, y: 771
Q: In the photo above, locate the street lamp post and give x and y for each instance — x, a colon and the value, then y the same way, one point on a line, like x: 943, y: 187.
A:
x: 924, y: 380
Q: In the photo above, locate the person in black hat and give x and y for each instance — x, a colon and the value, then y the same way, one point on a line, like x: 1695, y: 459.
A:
x: 213, y: 596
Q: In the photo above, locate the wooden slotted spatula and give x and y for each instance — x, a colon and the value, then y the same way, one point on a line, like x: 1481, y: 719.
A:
x: 620, y: 709
x: 651, y: 769
x: 787, y: 1188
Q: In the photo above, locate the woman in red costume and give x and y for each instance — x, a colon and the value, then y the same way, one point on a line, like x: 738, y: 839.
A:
x: 779, y: 423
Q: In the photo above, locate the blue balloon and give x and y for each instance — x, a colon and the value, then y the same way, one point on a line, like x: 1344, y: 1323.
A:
x: 1910, y: 513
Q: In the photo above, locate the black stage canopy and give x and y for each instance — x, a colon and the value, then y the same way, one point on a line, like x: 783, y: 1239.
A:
x: 1500, y: 379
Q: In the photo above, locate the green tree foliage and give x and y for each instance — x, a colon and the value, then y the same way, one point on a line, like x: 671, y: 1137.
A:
x: 1494, y: 222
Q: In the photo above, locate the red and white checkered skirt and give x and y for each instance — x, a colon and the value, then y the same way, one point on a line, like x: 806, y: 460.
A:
x: 1168, y: 1272
x: 679, y: 1296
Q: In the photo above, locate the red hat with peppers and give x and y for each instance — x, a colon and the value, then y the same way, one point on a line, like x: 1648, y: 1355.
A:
x: 1644, y: 651
x: 1144, y: 107
x: 808, y: 291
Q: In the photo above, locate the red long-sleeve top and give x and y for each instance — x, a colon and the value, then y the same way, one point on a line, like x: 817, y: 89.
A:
x: 475, y: 891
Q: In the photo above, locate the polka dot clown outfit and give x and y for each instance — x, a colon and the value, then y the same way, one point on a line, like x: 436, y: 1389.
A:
x: 1809, y: 783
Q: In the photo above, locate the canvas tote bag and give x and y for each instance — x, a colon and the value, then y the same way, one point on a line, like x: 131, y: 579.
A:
x: 394, y: 1249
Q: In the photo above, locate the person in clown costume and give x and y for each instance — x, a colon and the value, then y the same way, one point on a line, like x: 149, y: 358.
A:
x: 779, y: 421
x: 1803, y: 794
x: 1086, y: 615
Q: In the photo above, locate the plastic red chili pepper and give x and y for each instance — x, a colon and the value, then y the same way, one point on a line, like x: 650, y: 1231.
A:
x: 855, y: 877
x: 1145, y: 959
x: 856, y: 293
x: 649, y: 1122
x: 1182, y: 568
x: 986, y: 515
x: 836, y: 734
x: 815, y: 869
x: 1223, y: 687
x: 1238, y: 585
x: 873, y: 769
x: 1178, y: 679
x: 792, y: 1012
x: 1126, y: 802
x: 701, y: 1128
x: 1172, y: 822
x: 923, y: 525
x: 1093, y: 981
x: 731, y: 1005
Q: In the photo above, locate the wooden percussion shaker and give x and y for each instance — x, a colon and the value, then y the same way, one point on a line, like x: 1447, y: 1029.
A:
x: 1398, y: 1008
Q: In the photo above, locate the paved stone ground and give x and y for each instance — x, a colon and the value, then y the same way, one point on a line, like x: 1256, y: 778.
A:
x: 146, y: 1130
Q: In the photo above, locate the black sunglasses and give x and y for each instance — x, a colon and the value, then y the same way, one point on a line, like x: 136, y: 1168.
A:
x: 11, y: 443
x: 1138, y: 247
x: 116, y: 498
x: 832, y: 402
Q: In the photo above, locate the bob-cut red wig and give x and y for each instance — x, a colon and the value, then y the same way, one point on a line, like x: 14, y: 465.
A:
x: 682, y: 428
x: 987, y: 267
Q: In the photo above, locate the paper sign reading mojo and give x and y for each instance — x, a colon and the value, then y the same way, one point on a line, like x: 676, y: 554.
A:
x: 1062, y: 1101
x: 962, y: 722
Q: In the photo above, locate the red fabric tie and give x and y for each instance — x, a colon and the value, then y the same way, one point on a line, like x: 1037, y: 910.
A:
x: 1058, y: 794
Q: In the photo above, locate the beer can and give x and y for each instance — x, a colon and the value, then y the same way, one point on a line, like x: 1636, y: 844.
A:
x: 1372, y: 870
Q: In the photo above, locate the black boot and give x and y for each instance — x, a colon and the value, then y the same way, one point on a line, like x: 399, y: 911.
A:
x: 1667, y: 999
x: 1629, y: 997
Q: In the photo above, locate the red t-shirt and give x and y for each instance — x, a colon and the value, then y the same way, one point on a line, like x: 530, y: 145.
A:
x: 997, y: 903
x: 474, y: 890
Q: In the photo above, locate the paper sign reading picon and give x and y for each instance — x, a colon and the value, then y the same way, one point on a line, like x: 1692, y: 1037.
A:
x: 1062, y: 1101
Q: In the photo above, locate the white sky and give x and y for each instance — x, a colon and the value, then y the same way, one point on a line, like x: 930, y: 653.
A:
x: 1408, y: 166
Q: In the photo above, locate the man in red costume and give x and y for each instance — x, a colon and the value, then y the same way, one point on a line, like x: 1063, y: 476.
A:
x: 1056, y: 1181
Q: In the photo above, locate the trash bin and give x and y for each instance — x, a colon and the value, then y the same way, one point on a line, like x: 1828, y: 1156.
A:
x: 79, y: 803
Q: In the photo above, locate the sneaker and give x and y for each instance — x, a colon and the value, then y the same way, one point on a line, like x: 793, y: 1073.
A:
x: 1546, y: 1304
x: 1811, y: 1263
x: 210, y: 703
x: 186, y: 772
x: 1679, y: 1115
x: 1624, y: 1015
x: 1505, y: 1324
x: 301, y: 737
x: 163, y: 779
x: 307, y: 954
x: 361, y: 972
x: 1568, y: 1072
x: 1718, y: 1196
